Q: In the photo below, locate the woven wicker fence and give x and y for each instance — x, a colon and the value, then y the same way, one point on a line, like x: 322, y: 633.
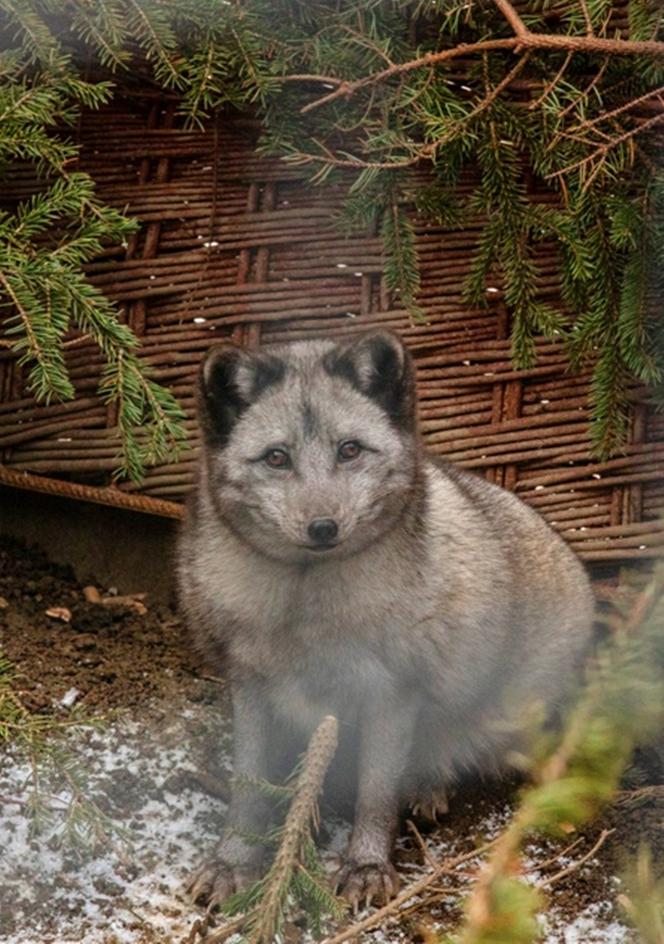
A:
x: 237, y: 246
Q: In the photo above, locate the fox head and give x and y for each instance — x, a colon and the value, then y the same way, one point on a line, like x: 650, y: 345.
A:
x: 311, y: 448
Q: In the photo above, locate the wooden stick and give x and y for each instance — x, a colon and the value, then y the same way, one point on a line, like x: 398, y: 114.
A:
x: 604, y: 835
x: 524, y: 39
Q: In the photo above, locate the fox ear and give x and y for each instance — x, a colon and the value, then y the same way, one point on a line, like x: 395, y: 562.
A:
x: 380, y: 367
x: 231, y: 379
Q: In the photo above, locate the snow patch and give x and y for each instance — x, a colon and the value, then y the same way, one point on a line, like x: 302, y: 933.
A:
x: 132, y: 890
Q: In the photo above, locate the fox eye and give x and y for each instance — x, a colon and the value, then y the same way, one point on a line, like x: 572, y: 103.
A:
x: 348, y: 450
x: 277, y: 459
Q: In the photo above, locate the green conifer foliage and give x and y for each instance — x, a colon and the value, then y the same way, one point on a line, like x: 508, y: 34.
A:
x: 556, y: 107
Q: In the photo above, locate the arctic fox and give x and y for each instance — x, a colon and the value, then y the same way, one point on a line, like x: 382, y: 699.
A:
x: 336, y: 568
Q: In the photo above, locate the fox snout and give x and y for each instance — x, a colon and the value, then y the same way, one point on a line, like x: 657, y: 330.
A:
x: 323, y: 531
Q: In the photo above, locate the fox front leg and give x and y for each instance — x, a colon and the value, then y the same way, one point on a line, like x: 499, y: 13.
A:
x: 385, y: 740
x: 237, y: 860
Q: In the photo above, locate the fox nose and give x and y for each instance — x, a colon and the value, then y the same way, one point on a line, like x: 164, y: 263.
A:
x: 323, y: 530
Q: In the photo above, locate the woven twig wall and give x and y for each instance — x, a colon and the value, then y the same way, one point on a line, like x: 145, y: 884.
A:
x: 235, y: 246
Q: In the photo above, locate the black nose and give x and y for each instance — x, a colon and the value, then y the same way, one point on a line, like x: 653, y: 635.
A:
x: 323, y: 530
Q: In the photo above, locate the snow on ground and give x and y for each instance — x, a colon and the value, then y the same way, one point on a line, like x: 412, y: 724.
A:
x: 131, y: 891
x: 592, y: 926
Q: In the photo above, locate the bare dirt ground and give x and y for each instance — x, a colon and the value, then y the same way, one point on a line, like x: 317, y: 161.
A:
x: 157, y: 767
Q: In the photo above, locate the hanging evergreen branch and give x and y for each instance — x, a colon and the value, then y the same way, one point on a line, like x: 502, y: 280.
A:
x: 48, y: 238
x: 402, y: 275
x: 43, y: 247
x: 363, y: 93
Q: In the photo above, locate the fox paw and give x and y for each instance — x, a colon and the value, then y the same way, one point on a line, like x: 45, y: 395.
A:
x: 366, y: 884
x: 217, y: 880
x: 431, y: 806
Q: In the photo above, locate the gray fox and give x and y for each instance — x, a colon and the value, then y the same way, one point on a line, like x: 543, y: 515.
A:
x: 339, y: 569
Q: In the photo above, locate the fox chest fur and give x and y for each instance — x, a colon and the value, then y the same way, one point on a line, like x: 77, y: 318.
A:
x: 325, y: 636
x: 318, y: 639
x: 329, y: 557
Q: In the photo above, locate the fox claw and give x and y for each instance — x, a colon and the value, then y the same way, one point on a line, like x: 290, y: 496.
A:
x: 363, y: 885
x: 431, y: 806
x: 216, y: 881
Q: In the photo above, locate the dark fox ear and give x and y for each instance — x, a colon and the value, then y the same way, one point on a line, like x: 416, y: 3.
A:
x: 379, y: 366
x: 232, y: 378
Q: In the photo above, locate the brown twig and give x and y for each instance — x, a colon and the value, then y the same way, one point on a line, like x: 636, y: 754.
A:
x: 552, y: 84
x: 426, y: 855
x: 524, y: 39
x: 346, y: 88
x: 604, y: 835
x: 75, y: 342
x: 512, y: 17
x: 607, y: 115
x: 213, y: 678
x: 428, y: 150
x: 640, y: 795
x: 309, y: 77
x: 586, y: 16
x: 201, y: 928
x: 602, y: 151
x: 301, y: 158
x: 14, y: 801
x: 594, y: 173
x: 554, y: 858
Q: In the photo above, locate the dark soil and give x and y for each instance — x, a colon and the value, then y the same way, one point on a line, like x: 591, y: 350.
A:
x: 634, y: 822
x: 113, y: 656
x: 117, y: 658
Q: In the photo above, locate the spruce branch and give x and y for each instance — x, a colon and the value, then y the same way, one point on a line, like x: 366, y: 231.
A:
x: 296, y: 875
x: 621, y: 706
x: 520, y: 43
x: 399, y: 91
x: 149, y: 22
x: 38, y: 347
x: 302, y: 815
x: 602, y: 150
x: 614, y: 112
x: 55, y: 795
x: 643, y: 900
x: 401, y: 268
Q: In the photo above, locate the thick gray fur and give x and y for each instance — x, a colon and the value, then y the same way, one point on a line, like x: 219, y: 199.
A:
x: 447, y: 609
